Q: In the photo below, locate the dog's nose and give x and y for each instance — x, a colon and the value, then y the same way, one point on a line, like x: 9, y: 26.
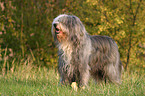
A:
x: 55, y: 24
x: 56, y: 27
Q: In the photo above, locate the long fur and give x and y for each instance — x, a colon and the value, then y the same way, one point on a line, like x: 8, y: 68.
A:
x: 81, y: 55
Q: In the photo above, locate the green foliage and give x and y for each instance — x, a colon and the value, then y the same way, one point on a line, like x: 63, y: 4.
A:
x: 25, y: 28
x: 121, y: 20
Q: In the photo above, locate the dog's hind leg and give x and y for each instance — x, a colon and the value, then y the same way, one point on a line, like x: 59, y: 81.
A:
x: 113, y: 73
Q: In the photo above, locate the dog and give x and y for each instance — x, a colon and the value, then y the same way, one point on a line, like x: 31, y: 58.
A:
x: 81, y: 55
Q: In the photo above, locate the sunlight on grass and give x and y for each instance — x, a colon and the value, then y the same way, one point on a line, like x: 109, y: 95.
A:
x: 27, y: 79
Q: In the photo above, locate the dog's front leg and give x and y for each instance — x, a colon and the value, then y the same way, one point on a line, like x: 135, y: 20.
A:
x: 84, y: 77
x: 63, y: 79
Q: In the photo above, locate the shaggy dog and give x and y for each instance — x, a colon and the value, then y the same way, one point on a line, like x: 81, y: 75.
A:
x: 81, y: 55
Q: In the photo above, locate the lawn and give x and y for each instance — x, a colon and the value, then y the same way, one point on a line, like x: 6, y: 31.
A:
x: 29, y: 80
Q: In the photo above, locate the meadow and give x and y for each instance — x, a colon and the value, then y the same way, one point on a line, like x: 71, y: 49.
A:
x: 28, y: 80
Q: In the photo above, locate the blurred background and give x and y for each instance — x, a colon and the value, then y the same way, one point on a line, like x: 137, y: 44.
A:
x: 25, y: 29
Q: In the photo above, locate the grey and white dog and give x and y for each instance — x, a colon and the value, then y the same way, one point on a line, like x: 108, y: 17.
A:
x: 81, y: 55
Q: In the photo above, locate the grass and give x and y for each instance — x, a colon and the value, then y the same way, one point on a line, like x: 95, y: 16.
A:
x: 29, y: 80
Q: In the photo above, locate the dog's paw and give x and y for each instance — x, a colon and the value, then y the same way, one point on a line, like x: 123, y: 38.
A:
x: 74, y: 86
x: 83, y: 87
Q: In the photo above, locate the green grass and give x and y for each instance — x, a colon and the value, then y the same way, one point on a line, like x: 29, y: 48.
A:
x: 29, y: 80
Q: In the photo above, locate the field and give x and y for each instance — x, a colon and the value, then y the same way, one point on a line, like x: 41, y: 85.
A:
x: 29, y: 80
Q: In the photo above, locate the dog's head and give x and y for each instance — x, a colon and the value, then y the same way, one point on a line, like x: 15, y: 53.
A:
x: 67, y: 28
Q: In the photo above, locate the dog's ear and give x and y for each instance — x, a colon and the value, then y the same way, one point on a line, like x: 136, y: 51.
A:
x: 74, y: 38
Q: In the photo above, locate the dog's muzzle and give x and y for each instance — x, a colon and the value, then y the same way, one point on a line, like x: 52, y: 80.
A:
x: 57, y: 29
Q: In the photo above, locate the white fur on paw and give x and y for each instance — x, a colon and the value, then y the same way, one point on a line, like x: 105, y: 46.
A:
x: 74, y: 86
